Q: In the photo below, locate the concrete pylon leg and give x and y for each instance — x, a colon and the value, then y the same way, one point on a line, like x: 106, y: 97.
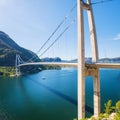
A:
x: 81, y: 96
x: 81, y: 63
x: 94, y: 48
x: 97, y: 93
x: 93, y: 36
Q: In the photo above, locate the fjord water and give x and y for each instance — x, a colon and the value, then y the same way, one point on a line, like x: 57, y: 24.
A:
x: 52, y: 94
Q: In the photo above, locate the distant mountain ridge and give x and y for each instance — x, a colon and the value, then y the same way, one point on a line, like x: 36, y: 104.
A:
x: 47, y: 59
x: 9, y: 49
x: 87, y: 60
x: 103, y: 60
x: 58, y: 59
x: 111, y: 60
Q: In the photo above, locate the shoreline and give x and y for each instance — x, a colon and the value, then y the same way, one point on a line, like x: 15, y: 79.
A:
x: 7, y: 71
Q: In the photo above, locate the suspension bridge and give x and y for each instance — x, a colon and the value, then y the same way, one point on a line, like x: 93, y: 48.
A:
x: 84, y: 69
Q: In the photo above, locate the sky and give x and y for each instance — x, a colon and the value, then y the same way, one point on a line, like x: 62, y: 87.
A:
x: 30, y: 23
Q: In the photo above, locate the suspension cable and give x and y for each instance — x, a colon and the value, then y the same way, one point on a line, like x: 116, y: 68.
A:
x: 102, y: 1
x: 65, y: 18
x: 61, y: 23
x: 58, y: 37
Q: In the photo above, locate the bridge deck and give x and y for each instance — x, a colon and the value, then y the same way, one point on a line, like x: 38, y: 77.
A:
x: 104, y: 65
x: 94, y: 65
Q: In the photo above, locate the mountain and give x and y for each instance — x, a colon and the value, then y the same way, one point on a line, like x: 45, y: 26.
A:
x: 110, y: 60
x: 47, y: 59
x: 9, y: 49
x: 57, y: 59
x: 102, y: 60
x: 87, y: 60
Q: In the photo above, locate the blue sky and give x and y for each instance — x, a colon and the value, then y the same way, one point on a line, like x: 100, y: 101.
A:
x: 30, y: 23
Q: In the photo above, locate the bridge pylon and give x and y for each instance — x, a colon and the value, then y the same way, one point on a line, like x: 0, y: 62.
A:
x: 82, y: 70
x: 18, y: 61
x: 17, y: 69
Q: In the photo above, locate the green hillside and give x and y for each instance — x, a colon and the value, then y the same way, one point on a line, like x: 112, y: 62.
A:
x: 9, y: 49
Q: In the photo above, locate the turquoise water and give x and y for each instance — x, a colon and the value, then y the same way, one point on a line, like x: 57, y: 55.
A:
x: 52, y: 94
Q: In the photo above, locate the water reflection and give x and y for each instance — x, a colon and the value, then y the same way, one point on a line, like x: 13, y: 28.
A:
x: 60, y: 94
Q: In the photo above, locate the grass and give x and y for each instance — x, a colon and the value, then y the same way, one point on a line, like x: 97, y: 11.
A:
x: 110, y: 112
x: 7, y: 71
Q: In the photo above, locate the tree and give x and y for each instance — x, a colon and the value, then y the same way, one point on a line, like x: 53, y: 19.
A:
x: 108, y: 107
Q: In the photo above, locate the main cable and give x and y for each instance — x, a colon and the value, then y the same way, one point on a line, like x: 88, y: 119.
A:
x: 61, y: 23
x: 99, y: 2
x: 102, y: 1
x: 57, y: 37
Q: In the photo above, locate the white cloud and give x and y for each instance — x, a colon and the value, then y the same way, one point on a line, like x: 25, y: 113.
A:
x: 117, y: 37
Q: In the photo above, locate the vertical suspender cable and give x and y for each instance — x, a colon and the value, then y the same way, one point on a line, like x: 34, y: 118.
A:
x: 65, y: 18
